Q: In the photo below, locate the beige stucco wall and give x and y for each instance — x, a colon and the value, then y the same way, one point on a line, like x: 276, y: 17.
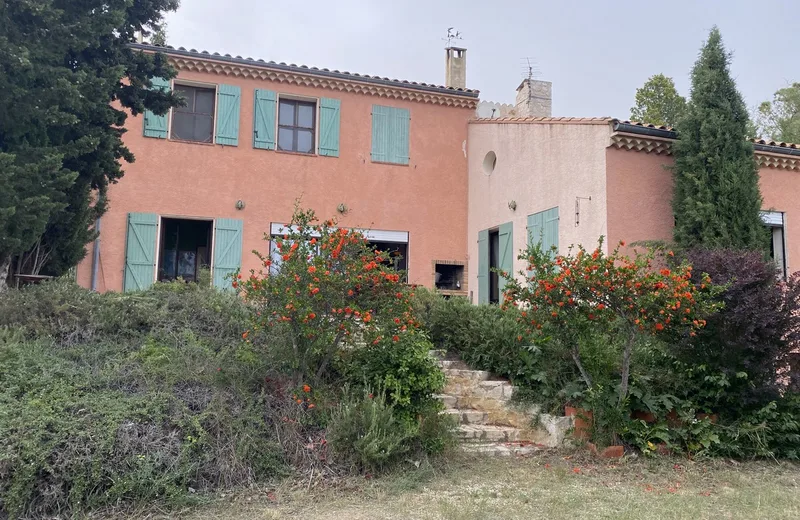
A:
x: 539, y: 165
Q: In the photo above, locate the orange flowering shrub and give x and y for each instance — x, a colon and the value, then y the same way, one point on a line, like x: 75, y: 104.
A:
x: 329, y: 290
x: 577, y: 294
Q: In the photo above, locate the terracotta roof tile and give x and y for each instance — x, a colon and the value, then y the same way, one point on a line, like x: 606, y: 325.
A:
x: 168, y: 49
x: 546, y: 120
x: 776, y: 143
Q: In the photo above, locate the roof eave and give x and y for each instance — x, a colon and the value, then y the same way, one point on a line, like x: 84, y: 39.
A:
x: 471, y: 94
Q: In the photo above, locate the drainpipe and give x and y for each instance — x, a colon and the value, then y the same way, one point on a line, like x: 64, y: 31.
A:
x: 96, y: 255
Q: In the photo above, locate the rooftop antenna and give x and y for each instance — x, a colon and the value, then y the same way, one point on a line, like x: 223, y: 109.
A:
x: 530, y: 69
x: 452, y: 35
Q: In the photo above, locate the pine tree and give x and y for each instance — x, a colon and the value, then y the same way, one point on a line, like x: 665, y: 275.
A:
x: 716, y: 198
x: 66, y: 70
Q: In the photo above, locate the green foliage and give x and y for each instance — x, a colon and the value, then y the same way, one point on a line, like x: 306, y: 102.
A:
x: 779, y: 119
x: 65, y: 99
x: 365, y: 431
x: 325, y: 289
x: 772, y: 431
x: 403, y: 368
x: 107, y: 398
x: 716, y: 198
x: 658, y: 102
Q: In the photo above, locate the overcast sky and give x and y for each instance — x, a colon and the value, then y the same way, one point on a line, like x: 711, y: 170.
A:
x: 596, y: 52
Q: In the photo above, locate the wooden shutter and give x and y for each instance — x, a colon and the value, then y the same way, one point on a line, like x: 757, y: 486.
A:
x: 156, y: 126
x: 535, y: 228
x: 550, y: 223
x: 483, y: 266
x: 390, y: 134
x: 264, y: 119
x: 381, y: 137
x: 227, y: 251
x: 506, y: 250
x: 140, y: 251
x: 228, y: 102
x: 329, y: 127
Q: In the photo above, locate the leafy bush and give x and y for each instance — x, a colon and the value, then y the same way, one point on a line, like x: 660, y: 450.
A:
x: 329, y: 291
x: 750, y: 340
x: 107, y: 398
x: 365, y: 432
x: 404, y: 368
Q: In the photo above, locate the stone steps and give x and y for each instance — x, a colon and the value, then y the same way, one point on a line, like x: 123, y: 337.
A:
x: 487, y: 422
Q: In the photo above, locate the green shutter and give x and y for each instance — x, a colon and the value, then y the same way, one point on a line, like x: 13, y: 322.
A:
x: 227, y: 250
x: 264, y: 119
x: 228, y: 102
x: 550, y: 218
x: 543, y: 228
x: 506, y: 250
x: 140, y: 251
x: 156, y: 126
x: 390, y: 134
x: 483, y: 266
x: 329, y: 127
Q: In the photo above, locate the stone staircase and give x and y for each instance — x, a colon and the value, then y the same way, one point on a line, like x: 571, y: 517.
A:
x: 488, y: 422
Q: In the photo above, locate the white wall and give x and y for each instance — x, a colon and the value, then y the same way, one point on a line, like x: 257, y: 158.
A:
x: 539, y: 165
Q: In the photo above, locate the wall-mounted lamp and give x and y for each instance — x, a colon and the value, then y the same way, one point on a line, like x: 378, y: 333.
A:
x: 239, y: 204
x: 512, y: 205
x: 341, y: 208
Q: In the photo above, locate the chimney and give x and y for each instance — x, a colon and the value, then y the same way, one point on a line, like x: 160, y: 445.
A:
x: 534, y: 99
x: 456, y: 67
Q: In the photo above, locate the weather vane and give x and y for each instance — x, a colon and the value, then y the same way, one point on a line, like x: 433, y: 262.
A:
x: 452, y: 36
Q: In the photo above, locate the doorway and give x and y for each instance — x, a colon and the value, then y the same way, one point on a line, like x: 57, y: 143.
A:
x: 184, y: 249
x: 494, y: 263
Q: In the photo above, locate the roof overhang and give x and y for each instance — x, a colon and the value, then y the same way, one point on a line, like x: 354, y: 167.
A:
x: 640, y: 137
x: 227, y: 65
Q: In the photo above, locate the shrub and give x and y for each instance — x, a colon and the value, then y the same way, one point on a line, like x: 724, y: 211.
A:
x: 330, y: 291
x: 404, y: 368
x: 750, y: 340
x: 108, y: 398
x: 365, y: 432
x: 576, y: 295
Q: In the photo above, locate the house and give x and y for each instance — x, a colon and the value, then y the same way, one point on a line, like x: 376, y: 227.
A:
x: 568, y: 181
x: 215, y: 178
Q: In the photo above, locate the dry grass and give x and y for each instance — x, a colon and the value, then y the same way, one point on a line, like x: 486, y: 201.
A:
x: 545, y: 486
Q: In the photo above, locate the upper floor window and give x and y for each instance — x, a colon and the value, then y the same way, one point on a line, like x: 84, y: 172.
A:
x: 296, y: 125
x: 195, y: 121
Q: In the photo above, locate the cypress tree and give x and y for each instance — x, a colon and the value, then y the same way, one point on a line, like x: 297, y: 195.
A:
x: 716, y: 199
x: 68, y: 80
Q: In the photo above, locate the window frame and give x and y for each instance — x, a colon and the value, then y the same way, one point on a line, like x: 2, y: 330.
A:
x: 178, y: 82
x: 314, y: 131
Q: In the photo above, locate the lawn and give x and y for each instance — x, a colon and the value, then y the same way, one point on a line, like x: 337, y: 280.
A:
x: 548, y: 486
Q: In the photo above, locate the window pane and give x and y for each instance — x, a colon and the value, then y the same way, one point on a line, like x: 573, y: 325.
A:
x: 203, y: 128
x: 187, y: 93
x: 285, y: 139
x: 286, y: 115
x: 305, y: 115
x: 305, y: 141
x: 182, y: 126
x: 204, y: 101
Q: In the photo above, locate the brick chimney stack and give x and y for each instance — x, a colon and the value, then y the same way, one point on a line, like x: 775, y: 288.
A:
x: 456, y: 67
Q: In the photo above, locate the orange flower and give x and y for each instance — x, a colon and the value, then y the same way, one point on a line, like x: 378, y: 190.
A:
x: 311, y: 405
x: 600, y: 306
x: 350, y: 292
x: 315, y: 290
x: 395, y: 338
x: 312, y: 269
x: 245, y: 333
x: 659, y: 326
x: 306, y: 388
x: 367, y: 317
x: 576, y: 470
x: 313, y: 241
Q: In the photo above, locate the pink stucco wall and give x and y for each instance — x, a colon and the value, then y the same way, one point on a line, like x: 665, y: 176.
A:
x: 639, y: 188
x: 427, y: 198
x: 540, y: 165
